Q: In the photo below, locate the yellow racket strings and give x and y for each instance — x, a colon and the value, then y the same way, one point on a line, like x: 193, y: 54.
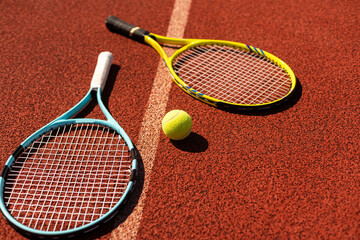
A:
x: 232, y: 74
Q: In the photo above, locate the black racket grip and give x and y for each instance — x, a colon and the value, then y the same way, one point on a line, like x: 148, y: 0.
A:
x: 117, y: 25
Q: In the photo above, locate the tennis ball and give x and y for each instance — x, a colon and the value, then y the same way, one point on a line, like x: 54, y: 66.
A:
x: 177, y: 124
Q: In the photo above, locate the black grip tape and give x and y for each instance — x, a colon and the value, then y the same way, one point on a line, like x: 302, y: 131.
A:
x: 116, y: 25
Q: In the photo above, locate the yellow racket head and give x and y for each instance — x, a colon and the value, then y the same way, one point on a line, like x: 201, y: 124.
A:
x: 229, y: 74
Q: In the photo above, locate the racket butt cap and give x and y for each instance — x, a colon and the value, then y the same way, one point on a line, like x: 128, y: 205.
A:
x: 102, y: 69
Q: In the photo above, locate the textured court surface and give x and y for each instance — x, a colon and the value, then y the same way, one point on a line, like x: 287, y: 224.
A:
x: 290, y: 173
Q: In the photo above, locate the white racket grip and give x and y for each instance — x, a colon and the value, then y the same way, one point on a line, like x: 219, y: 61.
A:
x: 102, y: 69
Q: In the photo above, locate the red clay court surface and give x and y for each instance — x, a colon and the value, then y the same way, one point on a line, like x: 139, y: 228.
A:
x: 290, y: 173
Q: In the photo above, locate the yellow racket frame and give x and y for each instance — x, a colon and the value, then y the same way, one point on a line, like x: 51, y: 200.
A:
x: 155, y: 40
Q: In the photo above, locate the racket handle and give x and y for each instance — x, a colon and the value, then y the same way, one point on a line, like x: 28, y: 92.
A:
x: 117, y: 25
x: 102, y: 69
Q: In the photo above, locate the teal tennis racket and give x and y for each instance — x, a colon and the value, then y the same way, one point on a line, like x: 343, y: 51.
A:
x: 72, y: 174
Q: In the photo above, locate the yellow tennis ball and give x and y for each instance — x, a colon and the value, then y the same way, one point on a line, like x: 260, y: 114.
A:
x: 177, y: 124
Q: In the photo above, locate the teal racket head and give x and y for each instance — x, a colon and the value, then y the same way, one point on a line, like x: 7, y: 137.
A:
x: 69, y: 179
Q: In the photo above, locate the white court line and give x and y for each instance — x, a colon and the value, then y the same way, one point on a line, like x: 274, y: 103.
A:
x: 150, y: 131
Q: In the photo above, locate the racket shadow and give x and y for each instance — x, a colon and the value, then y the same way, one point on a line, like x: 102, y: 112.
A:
x: 270, y: 109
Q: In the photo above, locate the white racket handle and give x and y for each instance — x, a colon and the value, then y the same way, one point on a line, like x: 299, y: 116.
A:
x: 102, y: 69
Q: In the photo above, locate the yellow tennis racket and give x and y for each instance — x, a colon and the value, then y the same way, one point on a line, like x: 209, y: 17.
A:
x: 220, y: 73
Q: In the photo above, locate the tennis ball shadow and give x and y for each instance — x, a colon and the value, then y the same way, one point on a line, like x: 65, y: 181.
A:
x: 193, y: 143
